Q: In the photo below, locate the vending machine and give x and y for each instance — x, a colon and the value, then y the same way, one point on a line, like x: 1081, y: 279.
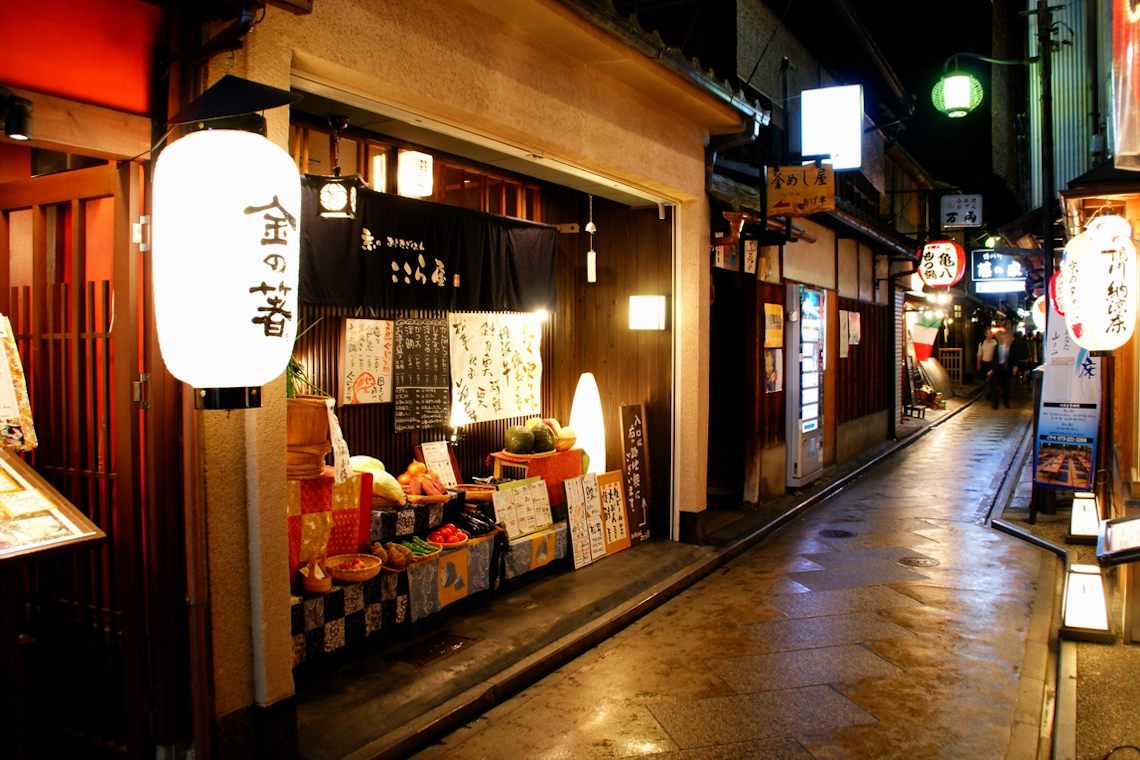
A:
x: 804, y: 383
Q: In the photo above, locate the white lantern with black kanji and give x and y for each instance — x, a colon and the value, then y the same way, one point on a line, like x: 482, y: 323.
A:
x: 227, y: 206
x: 1100, y: 280
x: 941, y: 263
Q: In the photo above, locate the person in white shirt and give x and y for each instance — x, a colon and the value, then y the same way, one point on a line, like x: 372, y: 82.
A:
x: 986, y: 353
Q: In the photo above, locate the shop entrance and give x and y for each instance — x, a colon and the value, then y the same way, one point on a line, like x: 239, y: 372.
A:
x: 729, y: 395
x: 74, y: 293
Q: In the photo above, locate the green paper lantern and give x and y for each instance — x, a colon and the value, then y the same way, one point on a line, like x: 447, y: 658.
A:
x: 956, y: 94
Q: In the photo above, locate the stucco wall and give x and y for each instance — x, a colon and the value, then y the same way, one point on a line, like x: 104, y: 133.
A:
x: 453, y: 63
x: 812, y: 263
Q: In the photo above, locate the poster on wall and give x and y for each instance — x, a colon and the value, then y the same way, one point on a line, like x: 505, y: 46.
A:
x: 366, y: 361
x: 854, y: 328
x: 16, y: 428
x: 751, y: 256
x: 844, y: 332
x: 726, y: 252
x: 773, y: 325
x: 496, y: 364
x: 419, y: 374
x: 635, y: 468
x: 1064, y: 453
x: 773, y: 370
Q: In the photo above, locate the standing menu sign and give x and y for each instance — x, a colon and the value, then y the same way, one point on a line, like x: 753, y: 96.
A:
x: 419, y: 374
x: 635, y: 466
x: 1065, y: 450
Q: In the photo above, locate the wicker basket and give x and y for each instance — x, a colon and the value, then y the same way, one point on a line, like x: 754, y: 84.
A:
x: 360, y: 567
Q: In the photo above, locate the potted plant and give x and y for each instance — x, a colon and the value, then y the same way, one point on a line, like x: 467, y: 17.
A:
x: 307, y: 421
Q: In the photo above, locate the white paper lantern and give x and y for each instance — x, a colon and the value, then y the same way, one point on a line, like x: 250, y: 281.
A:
x: 227, y: 206
x: 1038, y: 312
x: 414, y: 174
x: 1100, y: 280
x: 941, y: 263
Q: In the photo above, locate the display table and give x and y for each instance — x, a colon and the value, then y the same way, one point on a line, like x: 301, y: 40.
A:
x: 348, y: 614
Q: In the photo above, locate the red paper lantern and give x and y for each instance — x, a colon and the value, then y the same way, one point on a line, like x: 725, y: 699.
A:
x: 941, y: 263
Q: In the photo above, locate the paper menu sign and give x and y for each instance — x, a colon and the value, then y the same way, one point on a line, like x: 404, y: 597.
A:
x: 437, y: 457
x: 522, y: 506
x: 594, y: 525
x: 366, y: 361
x: 576, y: 518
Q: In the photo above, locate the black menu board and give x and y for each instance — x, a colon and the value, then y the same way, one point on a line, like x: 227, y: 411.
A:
x: 635, y: 467
x: 420, y: 364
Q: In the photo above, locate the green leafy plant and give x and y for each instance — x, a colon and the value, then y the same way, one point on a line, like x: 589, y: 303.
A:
x: 297, y: 382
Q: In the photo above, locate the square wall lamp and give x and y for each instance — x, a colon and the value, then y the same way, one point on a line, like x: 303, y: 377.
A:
x: 647, y: 312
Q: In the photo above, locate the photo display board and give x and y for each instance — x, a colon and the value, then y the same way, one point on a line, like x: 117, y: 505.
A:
x: 33, y: 515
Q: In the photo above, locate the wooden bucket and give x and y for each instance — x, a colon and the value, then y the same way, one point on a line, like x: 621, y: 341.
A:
x: 306, y: 436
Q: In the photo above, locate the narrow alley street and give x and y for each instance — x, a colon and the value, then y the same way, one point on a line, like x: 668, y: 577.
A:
x: 888, y: 621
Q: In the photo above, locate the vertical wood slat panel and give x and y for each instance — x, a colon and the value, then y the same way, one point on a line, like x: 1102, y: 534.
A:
x: 862, y: 387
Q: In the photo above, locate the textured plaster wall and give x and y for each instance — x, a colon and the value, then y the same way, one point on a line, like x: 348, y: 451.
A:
x: 812, y: 263
x: 451, y: 62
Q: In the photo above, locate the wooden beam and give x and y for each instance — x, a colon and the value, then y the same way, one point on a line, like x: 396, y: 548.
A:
x: 72, y: 127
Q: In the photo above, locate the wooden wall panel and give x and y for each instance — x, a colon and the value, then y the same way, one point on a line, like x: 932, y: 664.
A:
x: 863, y: 386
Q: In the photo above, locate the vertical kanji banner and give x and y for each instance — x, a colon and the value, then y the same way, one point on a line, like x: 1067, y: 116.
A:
x: 496, y: 364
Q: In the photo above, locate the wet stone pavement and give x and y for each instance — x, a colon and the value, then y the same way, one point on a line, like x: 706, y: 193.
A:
x: 887, y: 622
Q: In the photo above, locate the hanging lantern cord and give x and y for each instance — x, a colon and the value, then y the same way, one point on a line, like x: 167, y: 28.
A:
x: 337, y: 123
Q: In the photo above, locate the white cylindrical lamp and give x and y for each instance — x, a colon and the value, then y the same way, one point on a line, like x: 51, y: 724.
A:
x: 587, y: 421
x: 227, y: 207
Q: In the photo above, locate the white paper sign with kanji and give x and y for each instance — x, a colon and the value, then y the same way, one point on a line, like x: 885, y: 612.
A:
x: 496, y: 365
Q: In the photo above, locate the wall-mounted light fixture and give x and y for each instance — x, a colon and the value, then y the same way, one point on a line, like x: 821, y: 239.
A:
x: 414, y: 174
x: 647, y: 312
x: 227, y: 209
x: 16, y: 112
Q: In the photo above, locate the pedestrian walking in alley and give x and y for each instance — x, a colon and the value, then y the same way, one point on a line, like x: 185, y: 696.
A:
x: 1009, y: 361
x: 986, y: 353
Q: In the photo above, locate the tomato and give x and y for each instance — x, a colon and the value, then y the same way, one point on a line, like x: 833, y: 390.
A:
x: 449, y: 526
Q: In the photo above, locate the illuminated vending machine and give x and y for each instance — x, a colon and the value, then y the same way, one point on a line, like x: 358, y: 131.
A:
x: 804, y: 382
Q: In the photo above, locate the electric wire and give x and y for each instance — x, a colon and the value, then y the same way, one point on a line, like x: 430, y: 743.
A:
x: 772, y: 36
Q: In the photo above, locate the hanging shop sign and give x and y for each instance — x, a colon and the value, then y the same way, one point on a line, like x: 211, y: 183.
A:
x: 800, y: 190
x: 227, y: 204
x: 1068, y: 412
x: 405, y: 253
x: 1125, y: 84
x: 960, y: 211
x: 941, y: 263
x: 995, y: 272
x: 1100, y: 307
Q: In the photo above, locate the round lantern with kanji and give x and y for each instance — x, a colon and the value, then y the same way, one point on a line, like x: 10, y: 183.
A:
x: 941, y: 263
x: 1100, y: 283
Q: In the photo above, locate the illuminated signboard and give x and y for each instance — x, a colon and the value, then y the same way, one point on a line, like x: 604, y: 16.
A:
x: 995, y: 272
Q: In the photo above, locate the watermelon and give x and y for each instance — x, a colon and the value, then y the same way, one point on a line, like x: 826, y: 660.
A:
x: 543, y: 439
x: 518, y: 440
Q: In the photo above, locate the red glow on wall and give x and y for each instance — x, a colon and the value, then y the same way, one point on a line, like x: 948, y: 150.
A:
x: 93, y: 51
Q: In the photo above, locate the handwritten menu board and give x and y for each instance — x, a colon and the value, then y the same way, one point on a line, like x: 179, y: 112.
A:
x: 594, y: 525
x: 613, y: 511
x: 496, y: 364
x: 522, y: 506
x: 419, y: 374
x: 635, y: 467
x: 366, y: 361
x: 578, y: 521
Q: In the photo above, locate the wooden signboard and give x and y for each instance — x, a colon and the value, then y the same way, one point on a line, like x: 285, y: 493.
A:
x: 420, y: 365
x: 635, y: 467
x: 366, y: 361
x: 614, y: 519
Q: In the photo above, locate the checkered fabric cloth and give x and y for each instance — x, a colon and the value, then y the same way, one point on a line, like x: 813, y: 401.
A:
x: 346, y: 615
